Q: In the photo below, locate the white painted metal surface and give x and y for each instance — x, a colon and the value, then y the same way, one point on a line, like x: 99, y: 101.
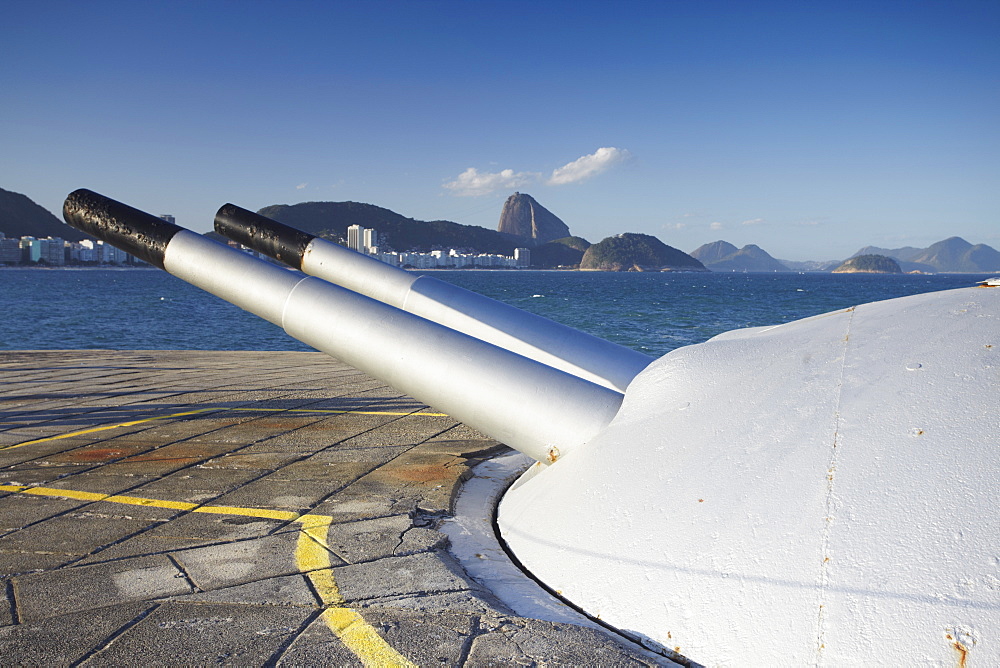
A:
x: 824, y: 492
x: 508, y: 327
x: 255, y: 286
x: 538, y: 410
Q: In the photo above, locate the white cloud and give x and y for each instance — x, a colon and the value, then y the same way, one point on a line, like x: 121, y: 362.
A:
x: 301, y: 186
x: 587, y: 166
x: 473, y: 183
x: 753, y: 221
x: 675, y: 226
x: 715, y: 226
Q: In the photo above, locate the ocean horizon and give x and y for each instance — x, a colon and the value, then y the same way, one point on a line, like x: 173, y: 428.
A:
x: 148, y: 309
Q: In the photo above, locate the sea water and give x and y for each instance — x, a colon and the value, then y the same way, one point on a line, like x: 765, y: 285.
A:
x: 147, y: 309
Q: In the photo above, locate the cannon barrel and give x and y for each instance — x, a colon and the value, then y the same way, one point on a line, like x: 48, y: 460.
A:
x: 527, y: 334
x: 539, y: 410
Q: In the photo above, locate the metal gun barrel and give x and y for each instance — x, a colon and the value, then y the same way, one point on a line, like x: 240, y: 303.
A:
x: 524, y: 333
x: 539, y: 410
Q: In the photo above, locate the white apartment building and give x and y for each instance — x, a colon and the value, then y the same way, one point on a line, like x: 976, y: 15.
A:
x: 55, y: 252
x: 355, y: 237
x: 370, y: 239
x: 50, y: 251
x: 522, y: 258
x: 98, y: 252
x: 362, y: 239
x: 365, y: 240
x: 10, y: 250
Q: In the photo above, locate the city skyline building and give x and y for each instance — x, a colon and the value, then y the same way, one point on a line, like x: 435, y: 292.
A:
x: 51, y: 251
x: 355, y: 237
x: 370, y: 238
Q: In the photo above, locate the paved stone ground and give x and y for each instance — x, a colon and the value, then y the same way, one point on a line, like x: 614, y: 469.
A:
x: 167, y: 508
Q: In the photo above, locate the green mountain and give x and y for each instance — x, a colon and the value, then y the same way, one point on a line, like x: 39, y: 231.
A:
x: 331, y: 220
x: 20, y: 217
x: 637, y: 252
x: 869, y: 264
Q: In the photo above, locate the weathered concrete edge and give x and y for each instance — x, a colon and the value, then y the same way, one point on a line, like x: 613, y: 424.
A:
x: 473, y: 541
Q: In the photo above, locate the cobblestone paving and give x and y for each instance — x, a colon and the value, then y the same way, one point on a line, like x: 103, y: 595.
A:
x: 166, y: 508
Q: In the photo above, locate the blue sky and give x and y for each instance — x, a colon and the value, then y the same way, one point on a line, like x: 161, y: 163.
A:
x: 810, y: 129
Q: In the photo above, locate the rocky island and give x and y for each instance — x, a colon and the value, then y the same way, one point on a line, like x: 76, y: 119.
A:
x: 637, y: 252
x: 869, y: 264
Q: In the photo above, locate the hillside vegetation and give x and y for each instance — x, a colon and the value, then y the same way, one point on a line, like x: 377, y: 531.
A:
x: 20, y: 217
x: 637, y: 252
x: 331, y: 220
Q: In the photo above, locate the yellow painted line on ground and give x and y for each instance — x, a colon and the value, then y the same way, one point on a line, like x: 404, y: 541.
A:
x: 65, y: 493
x: 361, y: 638
x: 211, y: 410
x: 154, y: 503
x: 107, y: 427
x: 312, y: 557
x: 249, y: 512
x: 337, y: 412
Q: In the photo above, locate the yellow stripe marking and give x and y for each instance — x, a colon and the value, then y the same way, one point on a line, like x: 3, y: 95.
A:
x: 249, y: 512
x: 210, y: 410
x: 107, y: 427
x: 312, y: 557
x: 361, y: 638
x: 66, y: 493
x: 154, y: 503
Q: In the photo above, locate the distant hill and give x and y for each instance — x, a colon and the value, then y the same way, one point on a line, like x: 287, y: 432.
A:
x: 723, y: 256
x: 523, y: 217
x: 869, y: 264
x: 811, y: 265
x: 952, y: 255
x: 20, y: 217
x: 958, y: 255
x: 906, y: 253
x: 903, y: 256
x: 714, y: 252
x: 637, y: 252
x: 331, y: 220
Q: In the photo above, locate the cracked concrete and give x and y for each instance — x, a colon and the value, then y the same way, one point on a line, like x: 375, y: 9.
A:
x: 211, y: 507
